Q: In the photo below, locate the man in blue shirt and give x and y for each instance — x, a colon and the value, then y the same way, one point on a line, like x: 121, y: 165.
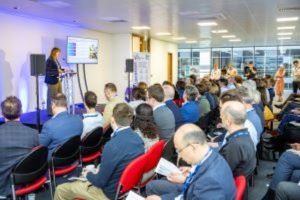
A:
x: 190, y: 109
x: 124, y: 146
x: 210, y: 177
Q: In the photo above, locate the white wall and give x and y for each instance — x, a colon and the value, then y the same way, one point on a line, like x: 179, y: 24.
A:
x: 159, y: 60
x: 22, y: 36
x: 121, y: 50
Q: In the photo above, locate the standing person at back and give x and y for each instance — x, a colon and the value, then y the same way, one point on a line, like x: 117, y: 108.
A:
x: 296, y: 76
x: 16, y: 140
x: 92, y: 119
x: 110, y: 92
x: 163, y: 116
x: 53, y: 70
x: 61, y: 127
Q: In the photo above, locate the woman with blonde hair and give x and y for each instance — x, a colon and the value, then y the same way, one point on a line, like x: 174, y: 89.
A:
x: 279, y: 86
x: 53, y: 70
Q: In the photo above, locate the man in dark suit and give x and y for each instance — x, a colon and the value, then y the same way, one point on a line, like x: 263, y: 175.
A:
x: 163, y: 116
x: 16, y: 140
x: 210, y: 177
x: 124, y: 146
x: 61, y: 126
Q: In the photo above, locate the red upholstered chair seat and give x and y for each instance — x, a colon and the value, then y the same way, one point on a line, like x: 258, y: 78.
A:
x: 91, y: 157
x: 31, y: 187
x: 65, y: 170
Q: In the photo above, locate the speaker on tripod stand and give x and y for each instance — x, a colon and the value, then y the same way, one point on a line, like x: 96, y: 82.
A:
x: 37, y: 68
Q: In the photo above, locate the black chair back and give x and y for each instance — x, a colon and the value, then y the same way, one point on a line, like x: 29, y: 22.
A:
x: 67, y: 153
x: 91, y: 143
x: 31, y: 167
x: 106, y: 136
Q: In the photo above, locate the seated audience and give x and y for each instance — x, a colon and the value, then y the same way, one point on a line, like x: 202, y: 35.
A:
x: 232, y: 95
x: 200, y: 182
x: 252, y: 114
x: 238, y: 81
x: 203, y: 102
x: 16, y: 140
x: 144, y: 125
x: 287, y: 169
x: 255, y: 95
x: 239, y: 150
x: 180, y: 86
x: 190, y: 109
x: 92, y: 119
x: 61, y: 126
x: 169, y: 96
x: 223, y: 82
x: 163, y: 116
x: 110, y: 92
x: 124, y: 146
x: 139, y: 97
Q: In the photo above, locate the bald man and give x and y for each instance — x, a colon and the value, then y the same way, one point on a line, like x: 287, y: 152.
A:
x: 209, y: 177
x: 239, y: 149
x: 169, y: 96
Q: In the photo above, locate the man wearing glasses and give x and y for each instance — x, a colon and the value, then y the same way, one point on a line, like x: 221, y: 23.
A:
x: 210, y: 175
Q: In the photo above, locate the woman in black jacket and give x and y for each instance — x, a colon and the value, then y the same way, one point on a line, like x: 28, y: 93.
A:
x: 53, y: 71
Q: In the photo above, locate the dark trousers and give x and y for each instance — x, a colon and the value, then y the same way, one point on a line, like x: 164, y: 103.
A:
x: 296, y: 86
x: 53, y: 89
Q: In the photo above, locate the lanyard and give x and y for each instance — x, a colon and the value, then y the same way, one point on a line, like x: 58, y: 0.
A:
x: 237, y: 135
x: 190, y: 178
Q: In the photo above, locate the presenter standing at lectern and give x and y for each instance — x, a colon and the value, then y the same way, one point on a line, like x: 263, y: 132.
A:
x: 53, y: 71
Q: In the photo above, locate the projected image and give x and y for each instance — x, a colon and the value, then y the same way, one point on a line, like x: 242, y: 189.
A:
x: 82, y: 51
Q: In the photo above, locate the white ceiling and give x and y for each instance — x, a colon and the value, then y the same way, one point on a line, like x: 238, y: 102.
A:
x: 253, y: 21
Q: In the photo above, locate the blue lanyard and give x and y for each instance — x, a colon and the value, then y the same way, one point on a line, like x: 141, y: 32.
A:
x: 237, y: 135
x: 190, y: 178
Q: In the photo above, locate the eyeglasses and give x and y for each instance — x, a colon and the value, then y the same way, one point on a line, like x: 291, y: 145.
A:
x: 178, y: 151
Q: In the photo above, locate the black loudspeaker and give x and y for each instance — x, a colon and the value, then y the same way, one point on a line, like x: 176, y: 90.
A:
x: 37, y: 64
x: 129, y: 65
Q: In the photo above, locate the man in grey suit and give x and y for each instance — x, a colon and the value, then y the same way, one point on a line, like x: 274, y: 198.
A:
x: 16, y: 140
x: 163, y: 116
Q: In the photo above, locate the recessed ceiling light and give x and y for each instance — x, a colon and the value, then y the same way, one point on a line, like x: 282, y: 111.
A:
x: 287, y: 19
x: 163, y: 34
x: 284, y: 38
x: 207, y: 23
x: 228, y: 36
x: 285, y: 33
x: 191, y: 42
x: 220, y: 31
x: 234, y: 40
x: 140, y: 27
x: 285, y: 27
x: 179, y: 38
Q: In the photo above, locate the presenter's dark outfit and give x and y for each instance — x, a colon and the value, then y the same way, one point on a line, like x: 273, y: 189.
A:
x: 52, y: 80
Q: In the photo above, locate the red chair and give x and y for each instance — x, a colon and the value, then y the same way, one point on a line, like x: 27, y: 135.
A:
x: 131, y: 176
x: 240, y: 183
x: 30, y: 176
x: 153, y: 156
